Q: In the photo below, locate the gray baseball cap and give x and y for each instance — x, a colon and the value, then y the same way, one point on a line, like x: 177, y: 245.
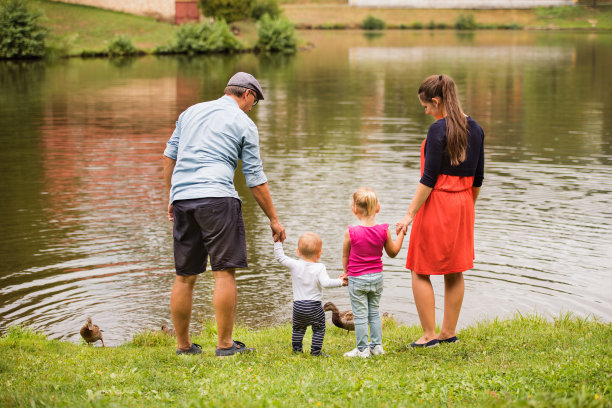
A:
x: 246, y: 81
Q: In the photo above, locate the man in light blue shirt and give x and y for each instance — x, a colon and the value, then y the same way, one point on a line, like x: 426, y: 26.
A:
x: 199, y: 164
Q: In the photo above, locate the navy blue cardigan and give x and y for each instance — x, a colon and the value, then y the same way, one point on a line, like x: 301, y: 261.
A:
x: 437, y: 160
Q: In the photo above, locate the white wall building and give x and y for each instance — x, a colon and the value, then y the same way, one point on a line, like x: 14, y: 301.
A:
x: 160, y: 9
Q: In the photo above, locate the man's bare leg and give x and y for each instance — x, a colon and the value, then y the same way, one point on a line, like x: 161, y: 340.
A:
x: 225, y: 298
x: 181, y: 301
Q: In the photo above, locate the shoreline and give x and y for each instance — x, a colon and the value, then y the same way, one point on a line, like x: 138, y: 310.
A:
x: 525, y: 360
x: 84, y: 31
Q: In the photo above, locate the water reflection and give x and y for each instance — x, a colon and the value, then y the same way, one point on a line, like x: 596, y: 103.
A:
x: 84, y: 225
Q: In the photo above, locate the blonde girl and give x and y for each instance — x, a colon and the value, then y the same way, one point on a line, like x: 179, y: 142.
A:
x: 362, y: 263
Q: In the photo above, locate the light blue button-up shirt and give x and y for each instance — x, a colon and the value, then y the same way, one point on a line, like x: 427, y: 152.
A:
x: 208, y: 140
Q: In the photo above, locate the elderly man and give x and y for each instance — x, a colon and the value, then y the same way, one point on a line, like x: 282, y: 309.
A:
x: 199, y: 164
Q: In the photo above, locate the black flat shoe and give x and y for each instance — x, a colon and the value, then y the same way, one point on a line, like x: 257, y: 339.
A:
x: 430, y: 343
x: 453, y: 339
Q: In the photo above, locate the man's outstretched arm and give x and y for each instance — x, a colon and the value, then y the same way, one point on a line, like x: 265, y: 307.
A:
x: 264, y: 199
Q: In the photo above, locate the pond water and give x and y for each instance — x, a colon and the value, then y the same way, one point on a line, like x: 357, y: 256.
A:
x: 84, y: 231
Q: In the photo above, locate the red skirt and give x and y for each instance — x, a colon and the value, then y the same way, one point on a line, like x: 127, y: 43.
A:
x: 442, y: 234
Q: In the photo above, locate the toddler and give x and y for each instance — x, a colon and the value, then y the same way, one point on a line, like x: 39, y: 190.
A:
x: 308, y: 278
x: 361, y: 260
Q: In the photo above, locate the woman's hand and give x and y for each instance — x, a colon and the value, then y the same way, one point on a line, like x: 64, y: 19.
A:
x: 402, y: 226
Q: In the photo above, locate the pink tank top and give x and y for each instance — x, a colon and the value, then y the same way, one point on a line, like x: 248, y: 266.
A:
x: 367, y: 244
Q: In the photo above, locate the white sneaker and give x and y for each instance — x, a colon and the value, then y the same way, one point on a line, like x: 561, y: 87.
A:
x: 377, y: 350
x: 356, y: 353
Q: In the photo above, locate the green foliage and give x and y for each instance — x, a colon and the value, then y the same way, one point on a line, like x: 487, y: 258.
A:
x: 372, y: 23
x: 466, y: 22
x: 228, y: 10
x: 332, y: 26
x: 276, y: 35
x: 202, y: 38
x: 261, y: 7
x: 21, y: 36
x: 510, y: 26
x: 431, y: 25
x: 417, y: 25
x: 121, y: 46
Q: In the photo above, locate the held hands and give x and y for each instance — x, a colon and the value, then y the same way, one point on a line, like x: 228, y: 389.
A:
x: 402, y: 226
x: 344, y: 278
x: 278, y: 231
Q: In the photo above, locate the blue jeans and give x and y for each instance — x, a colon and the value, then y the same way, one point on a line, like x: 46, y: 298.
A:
x: 365, y: 292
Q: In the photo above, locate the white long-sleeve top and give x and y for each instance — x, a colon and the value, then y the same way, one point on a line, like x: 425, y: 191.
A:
x: 307, y: 278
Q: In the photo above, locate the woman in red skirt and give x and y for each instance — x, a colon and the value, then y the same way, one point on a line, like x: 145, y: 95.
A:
x: 442, y: 210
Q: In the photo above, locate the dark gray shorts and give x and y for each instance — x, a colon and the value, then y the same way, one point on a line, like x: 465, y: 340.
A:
x: 206, y: 227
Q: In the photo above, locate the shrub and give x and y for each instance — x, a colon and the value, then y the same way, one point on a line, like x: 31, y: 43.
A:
x: 510, y: 26
x: 466, y: 22
x: 228, y: 10
x: 261, y: 7
x: 417, y: 25
x: 121, y: 46
x: 276, y: 35
x: 372, y: 23
x: 332, y: 26
x: 20, y: 34
x: 431, y: 25
x: 202, y: 38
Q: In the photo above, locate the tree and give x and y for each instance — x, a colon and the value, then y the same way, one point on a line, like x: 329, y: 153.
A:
x: 20, y: 34
x: 228, y: 10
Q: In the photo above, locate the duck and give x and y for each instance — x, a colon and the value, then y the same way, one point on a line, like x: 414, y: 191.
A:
x: 91, y: 332
x: 168, y: 331
x: 344, y: 320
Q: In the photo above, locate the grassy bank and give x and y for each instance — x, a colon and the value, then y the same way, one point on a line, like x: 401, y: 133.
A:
x: 82, y: 28
x: 76, y: 28
x: 524, y: 361
x: 333, y: 14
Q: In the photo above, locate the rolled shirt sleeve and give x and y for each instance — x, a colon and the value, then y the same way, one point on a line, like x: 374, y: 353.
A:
x: 172, y: 145
x: 252, y: 167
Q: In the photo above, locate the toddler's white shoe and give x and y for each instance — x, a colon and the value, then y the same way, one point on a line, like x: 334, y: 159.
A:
x: 377, y: 350
x: 356, y: 353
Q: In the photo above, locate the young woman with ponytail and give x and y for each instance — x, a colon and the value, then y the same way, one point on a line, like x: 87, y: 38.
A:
x: 442, y: 210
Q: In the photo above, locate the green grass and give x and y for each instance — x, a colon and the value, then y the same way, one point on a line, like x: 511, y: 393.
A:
x: 92, y: 29
x: 575, y: 17
x: 524, y: 361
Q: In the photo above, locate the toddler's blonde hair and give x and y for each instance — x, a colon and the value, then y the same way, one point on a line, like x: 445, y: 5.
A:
x: 310, y: 244
x: 365, y: 201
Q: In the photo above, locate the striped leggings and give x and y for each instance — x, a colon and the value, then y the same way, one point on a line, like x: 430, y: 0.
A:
x: 308, y: 313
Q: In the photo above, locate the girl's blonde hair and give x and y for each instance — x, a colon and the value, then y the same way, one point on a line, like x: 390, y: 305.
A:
x: 365, y: 201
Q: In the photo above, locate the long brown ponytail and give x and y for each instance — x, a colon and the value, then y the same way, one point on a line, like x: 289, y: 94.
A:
x: 443, y: 87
